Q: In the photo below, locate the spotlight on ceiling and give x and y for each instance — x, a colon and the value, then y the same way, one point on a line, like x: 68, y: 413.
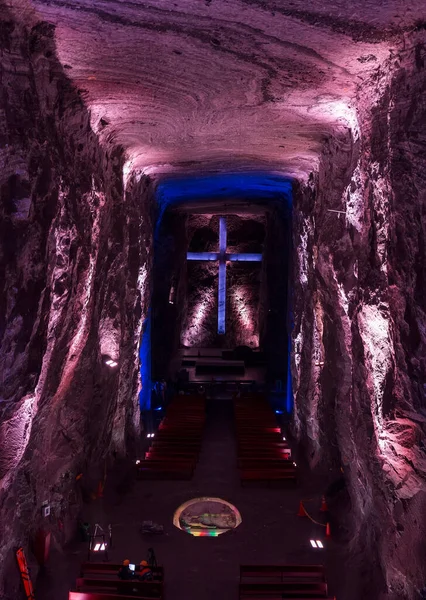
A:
x: 317, y: 544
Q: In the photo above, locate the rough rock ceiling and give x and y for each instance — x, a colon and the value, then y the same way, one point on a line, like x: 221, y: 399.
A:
x: 219, y: 85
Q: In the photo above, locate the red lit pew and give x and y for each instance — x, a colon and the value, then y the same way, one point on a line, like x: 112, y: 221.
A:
x: 262, y: 454
x: 106, y: 596
x: 175, y: 448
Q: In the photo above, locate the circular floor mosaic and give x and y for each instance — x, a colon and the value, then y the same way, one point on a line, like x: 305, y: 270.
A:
x: 206, y: 517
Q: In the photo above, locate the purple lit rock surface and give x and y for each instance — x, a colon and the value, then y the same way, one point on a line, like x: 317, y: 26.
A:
x: 100, y: 100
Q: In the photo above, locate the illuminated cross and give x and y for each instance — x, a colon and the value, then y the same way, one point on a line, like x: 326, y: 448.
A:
x: 222, y: 257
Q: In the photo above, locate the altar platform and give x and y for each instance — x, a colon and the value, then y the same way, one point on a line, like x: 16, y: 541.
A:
x: 205, y: 365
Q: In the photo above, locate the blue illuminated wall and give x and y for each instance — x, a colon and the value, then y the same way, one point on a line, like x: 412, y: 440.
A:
x: 257, y: 187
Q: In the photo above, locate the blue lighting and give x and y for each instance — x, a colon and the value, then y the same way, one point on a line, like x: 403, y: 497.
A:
x: 202, y: 255
x: 279, y: 412
x: 244, y: 257
x: 250, y: 187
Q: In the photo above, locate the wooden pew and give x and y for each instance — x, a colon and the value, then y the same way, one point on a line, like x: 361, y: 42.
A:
x: 175, y: 448
x: 181, y: 436
x: 176, y: 445
x: 265, y: 463
x: 288, y: 589
x: 251, y: 573
x: 172, y: 453
x: 258, y: 443
x: 152, y: 589
x: 274, y: 582
x: 264, y: 455
x: 106, y: 596
x: 89, y: 569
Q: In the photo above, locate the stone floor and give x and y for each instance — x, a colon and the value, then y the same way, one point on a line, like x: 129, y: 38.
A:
x: 203, y: 568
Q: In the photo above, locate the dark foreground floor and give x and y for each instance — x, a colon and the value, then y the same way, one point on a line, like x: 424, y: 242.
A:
x: 203, y: 568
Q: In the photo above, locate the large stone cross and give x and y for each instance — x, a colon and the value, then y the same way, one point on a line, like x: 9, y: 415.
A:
x: 222, y: 256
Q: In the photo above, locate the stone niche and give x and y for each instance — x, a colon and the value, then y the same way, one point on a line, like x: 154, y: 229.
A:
x: 245, y: 233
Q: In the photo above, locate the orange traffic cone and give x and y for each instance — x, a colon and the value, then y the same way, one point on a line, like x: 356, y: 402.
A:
x: 302, y: 511
x: 327, y: 531
x: 324, y: 507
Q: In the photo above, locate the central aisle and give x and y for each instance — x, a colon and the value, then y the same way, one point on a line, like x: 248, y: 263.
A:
x: 198, y: 568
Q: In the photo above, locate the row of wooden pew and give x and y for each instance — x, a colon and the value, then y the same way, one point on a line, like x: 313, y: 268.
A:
x: 263, y: 454
x: 100, y: 581
x: 175, y: 448
x: 273, y: 582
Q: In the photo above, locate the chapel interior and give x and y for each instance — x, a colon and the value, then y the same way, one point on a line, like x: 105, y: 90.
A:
x: 212, y: 300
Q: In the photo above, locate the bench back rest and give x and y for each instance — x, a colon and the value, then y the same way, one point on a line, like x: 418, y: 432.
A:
x: 105, y: 596
x: 119, y: 584
x: 289, y: 586
x: 308, y: 571
x: 90, y: 567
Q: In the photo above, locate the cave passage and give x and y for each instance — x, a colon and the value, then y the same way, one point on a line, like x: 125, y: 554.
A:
x: 128, y: 130
x: 186, y: 311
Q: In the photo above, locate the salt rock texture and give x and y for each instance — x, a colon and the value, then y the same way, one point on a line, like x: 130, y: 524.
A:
x: 359, y: 338
x: 223, y: 84
x: 96, y: 97
x: 75, y: 253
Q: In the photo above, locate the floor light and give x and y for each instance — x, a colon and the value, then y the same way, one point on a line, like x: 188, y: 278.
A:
x: 111, y: 363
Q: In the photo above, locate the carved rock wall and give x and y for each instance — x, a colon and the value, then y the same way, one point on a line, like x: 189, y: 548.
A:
x: 359, y: 337
x: 75, y: 247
